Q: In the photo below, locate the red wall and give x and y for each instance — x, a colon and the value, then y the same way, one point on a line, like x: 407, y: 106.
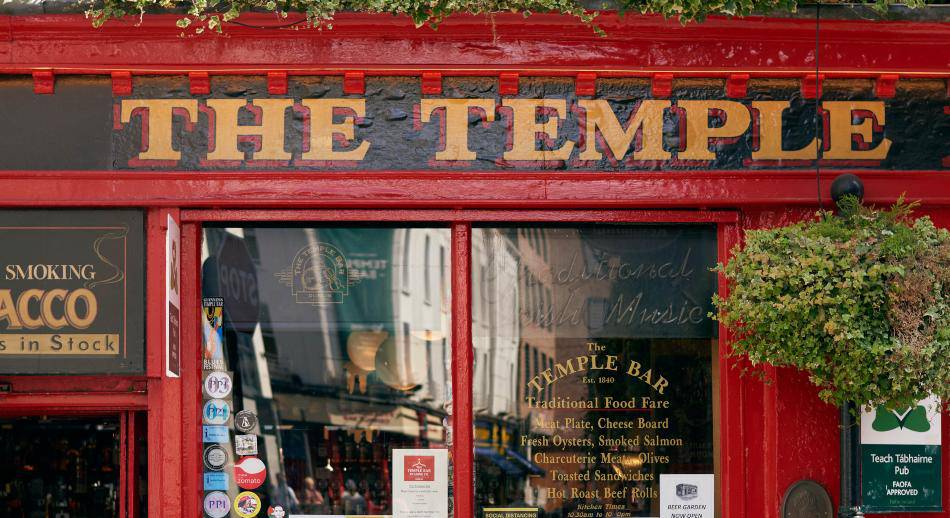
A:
x: 793, y: 434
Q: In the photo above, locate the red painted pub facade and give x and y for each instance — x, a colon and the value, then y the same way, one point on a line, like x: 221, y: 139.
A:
x: 489, y: 241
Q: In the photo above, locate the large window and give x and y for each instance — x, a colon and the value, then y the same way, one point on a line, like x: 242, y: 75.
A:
x: 326, y: 376
x: 595, y: 376
x: 328, y: 383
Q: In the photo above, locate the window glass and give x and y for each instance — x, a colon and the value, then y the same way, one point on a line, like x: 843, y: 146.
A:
x: 59, y: 467
x: 612, y: 352
x: 326, y: 379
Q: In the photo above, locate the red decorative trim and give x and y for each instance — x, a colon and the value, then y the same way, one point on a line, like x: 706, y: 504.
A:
x: 121, y: 82
x: 508, y: 83
x: 277, y: 83
x: 812, y: 86
x: 43, y: 81
x: 199, y: 83
x: 520, y: 190
x: 354, y: 83
x: 462, y: 365
x: 758, y: 45
x: 886, y: 86
x: 585, y: 83
x: 432, y: 83
x: 70, y: 403
x: 516, y: 215
x: 191, y: 351
x: 662, y: 85
x: 737, y: 86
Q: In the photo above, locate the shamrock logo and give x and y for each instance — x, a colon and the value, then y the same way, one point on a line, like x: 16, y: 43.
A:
x: 914, y: 419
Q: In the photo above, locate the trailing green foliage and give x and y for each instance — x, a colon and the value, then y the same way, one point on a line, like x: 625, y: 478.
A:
x: 861, y: 301
x: 214, y: 14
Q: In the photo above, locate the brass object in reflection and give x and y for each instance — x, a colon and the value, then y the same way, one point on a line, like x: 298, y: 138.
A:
x: 362, y: 347
x: 394, y: 365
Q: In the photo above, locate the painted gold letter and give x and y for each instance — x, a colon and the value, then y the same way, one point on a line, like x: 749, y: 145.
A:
x: 322, y: 129
x: 698, y: 131
x: 842, y: 129
x: 270, y: 131
x: 649, y: 116
x: 525, y: 129
x: 455, y: 124
x: 770, y: 134
x: 158, y: 124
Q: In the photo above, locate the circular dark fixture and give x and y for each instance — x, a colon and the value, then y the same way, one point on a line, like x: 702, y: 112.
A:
x: 847, y: 184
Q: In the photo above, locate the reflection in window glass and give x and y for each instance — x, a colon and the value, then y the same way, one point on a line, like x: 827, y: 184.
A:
x: 612, y: 351
x: 59, y: 467
x: 335, y: 360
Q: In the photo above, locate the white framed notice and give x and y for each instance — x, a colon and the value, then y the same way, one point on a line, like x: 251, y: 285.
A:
x: 421, y: 483
x: 687, y: 495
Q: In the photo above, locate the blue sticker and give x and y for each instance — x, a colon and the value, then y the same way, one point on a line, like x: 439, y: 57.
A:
x: 216, y: 481
x: 215, y: 433
x: 216, y: 411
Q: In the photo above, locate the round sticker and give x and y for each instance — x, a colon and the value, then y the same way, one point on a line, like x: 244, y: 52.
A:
x: 215, y: 457
x: 250, y: 473
x: 245, y: 420
x: 217, y: 504
x: 216, y: 411
x: 218, y: 384
x: 247, y: 504
x: 276, y: 512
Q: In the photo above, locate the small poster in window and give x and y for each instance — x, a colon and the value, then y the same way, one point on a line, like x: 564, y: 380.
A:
x: 687, y: 496
x: 212, y: 311
x: 420, y: 483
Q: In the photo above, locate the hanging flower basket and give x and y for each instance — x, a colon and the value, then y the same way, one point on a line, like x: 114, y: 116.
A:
x: 860, y: 301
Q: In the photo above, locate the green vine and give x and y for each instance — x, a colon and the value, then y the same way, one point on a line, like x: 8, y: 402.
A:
x: 213, y: 15
x: 861, y: 301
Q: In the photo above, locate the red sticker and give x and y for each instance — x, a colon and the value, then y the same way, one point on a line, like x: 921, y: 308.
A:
x: 419, y: 468
x: 250, y: 473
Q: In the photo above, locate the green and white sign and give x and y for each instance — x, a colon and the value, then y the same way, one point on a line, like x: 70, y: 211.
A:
x: 900, y: 458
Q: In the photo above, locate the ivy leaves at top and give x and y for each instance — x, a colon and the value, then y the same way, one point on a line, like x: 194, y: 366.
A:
x: 214, y: 15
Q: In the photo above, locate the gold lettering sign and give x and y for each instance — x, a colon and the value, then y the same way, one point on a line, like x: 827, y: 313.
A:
x: 542, y: 130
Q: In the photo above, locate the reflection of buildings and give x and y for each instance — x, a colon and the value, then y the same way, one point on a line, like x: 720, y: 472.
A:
x: 338, y: 384
x: 514, y: 340
x: 613, y: 288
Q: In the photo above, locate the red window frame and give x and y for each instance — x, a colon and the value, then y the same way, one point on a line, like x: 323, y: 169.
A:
x: 460, y: 222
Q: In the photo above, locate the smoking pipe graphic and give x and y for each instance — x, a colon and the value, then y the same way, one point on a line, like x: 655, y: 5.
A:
x: 119, y: 274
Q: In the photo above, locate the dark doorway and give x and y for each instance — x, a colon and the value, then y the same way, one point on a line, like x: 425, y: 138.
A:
x: 60, y: 467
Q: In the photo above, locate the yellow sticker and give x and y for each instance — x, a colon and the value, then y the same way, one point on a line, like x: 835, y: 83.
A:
x: 247, y: 504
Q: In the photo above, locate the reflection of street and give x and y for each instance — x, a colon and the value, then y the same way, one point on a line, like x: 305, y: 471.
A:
x: 551, y: 307
x: 339, y: 381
